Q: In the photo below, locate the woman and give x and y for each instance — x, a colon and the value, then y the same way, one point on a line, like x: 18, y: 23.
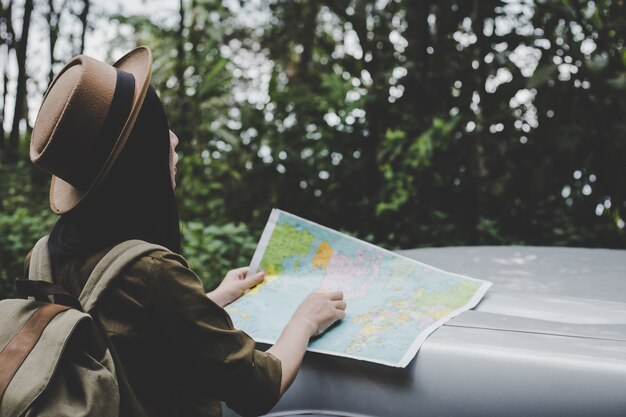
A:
x: 103, y: 135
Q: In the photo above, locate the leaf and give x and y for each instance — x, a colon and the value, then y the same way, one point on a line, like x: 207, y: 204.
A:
x: 216, y: 69
x: 597, y: 63
x: 596, y: 20
x: 228, y: 137
x: 618, y: 82
x: 543, y: 73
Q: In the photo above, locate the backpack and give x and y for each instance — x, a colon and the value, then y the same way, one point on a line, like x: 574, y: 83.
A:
x: 53, y: 358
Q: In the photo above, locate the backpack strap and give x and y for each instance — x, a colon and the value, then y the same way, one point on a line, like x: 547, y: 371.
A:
x: 46, y: 292
x: 39, y: 268
x: 15, y: 352
x: 110, y: 266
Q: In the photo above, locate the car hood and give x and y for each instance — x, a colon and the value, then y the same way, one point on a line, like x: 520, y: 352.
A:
x: 562, y: 291
x: 548, y: 339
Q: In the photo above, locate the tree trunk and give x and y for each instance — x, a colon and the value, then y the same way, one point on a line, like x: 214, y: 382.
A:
x: 418, y: 76
x: 183, y: 126
x: 20, y: 95
x: 84, y: 14
x: 53, y: 31
x: 477, y: 163
x: 5, y: 84
x: 6, y: 39
x: 310, y: 23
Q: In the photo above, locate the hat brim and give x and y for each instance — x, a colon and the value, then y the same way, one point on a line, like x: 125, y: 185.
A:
x: 138, y: 62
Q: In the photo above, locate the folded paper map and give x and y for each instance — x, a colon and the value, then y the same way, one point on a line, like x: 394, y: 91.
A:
x: 394, y: 302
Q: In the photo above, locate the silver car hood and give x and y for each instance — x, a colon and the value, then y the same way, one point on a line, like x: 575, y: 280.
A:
x: 548, y: 339
x: 562, y: 291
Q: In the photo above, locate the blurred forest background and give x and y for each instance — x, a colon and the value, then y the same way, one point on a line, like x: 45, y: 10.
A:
x: 405, y: 123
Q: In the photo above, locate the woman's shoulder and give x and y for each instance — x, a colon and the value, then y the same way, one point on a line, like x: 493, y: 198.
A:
x: 163, y: 258
x: 162, y: 267
x: 163, y: 280
x: 155, y: 261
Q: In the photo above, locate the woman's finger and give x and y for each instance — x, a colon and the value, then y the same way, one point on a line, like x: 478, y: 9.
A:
x: 341, y: 305
x: 240, y: 271
x: 258, y: 277
x: 335, y: 295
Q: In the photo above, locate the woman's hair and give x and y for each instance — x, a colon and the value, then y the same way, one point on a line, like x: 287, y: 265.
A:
x: 135, y: 201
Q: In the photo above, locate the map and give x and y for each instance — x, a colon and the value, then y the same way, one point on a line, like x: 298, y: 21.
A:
x: 393, y: 302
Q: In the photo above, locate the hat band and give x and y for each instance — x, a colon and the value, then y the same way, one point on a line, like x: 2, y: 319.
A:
x: 114, y: 122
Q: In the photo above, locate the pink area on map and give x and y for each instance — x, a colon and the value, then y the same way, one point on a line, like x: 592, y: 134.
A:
x: 352, y: 276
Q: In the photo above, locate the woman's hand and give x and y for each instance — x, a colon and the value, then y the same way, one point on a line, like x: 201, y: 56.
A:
x: 234, y: 285
x: 320, y: 310
x: 314, y: 315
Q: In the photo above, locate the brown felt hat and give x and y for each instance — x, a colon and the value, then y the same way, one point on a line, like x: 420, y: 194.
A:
x: 84, y: 122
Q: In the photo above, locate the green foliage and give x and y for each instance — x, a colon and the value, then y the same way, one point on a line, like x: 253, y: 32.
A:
x: 409, y: 124
x: 19, y: 231
x: 214, y: 250
x: 405, y: 143
x: 542, y: 75
x: 24, y: 218
x: 404, y: 162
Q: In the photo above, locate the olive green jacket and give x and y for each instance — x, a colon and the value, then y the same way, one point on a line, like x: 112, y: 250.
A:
x: 176, y: 351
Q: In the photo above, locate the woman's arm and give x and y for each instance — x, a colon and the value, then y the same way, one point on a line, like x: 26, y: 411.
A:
x: 198, y: 339
x: 316, y: 314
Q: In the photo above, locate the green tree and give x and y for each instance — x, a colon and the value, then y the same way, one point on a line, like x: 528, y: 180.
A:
x: 426, y: 124
x: 409, y: 124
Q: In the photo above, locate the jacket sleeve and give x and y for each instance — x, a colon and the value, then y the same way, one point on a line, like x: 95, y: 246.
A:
x: 207, y: 349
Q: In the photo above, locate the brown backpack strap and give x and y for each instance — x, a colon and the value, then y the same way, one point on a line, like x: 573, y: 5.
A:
x: 20, y: 345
